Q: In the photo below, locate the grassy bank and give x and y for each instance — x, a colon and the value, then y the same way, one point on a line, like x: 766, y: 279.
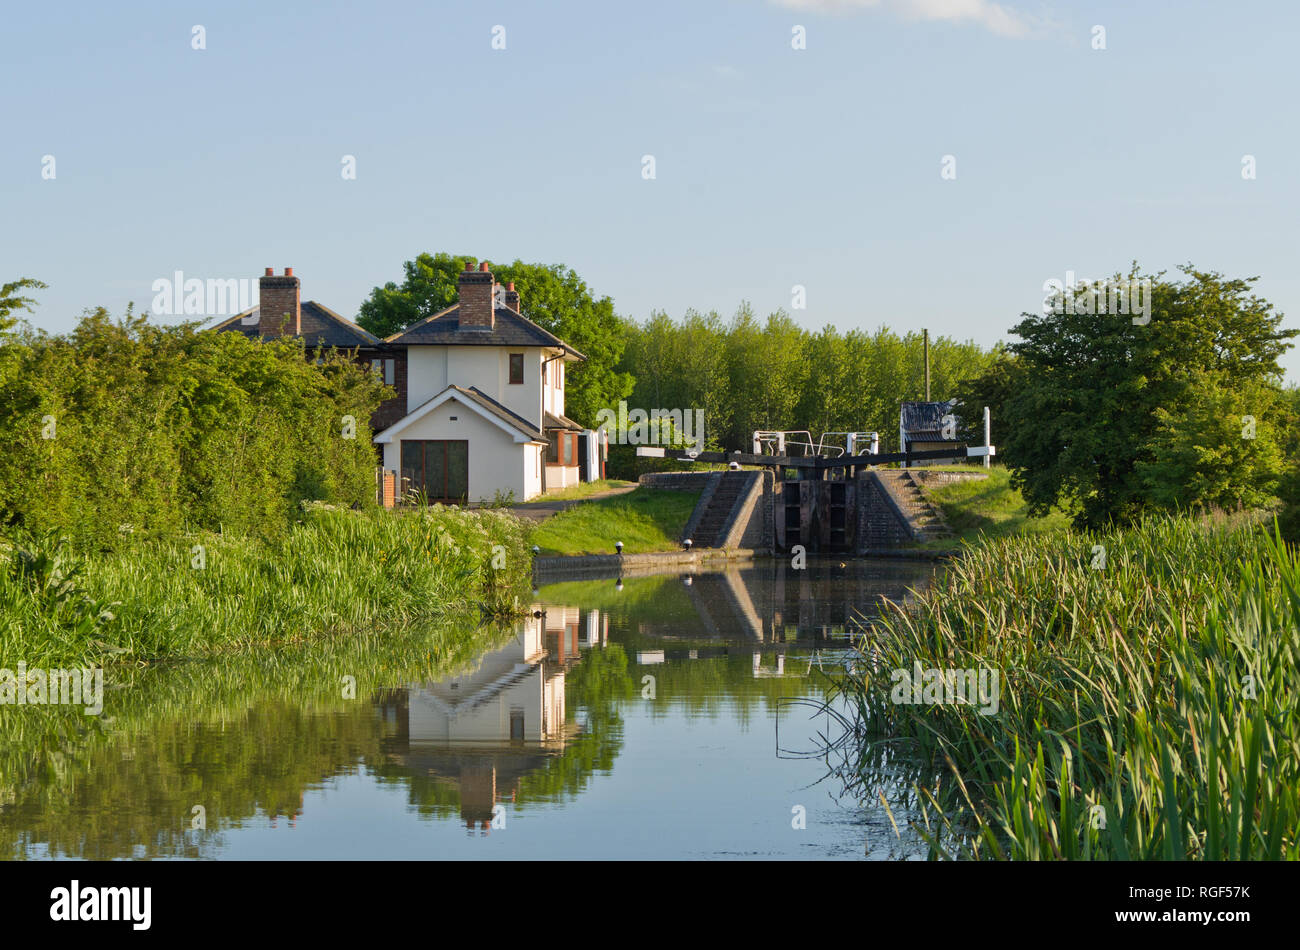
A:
x: 335, y: 572
x: 1147, y: 703
x: 584, y: 490
x: 647, y: 519
x: 989, y: 508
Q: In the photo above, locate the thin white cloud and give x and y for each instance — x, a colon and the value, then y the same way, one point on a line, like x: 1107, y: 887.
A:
x: 995, y: 17
x: 727, y: 72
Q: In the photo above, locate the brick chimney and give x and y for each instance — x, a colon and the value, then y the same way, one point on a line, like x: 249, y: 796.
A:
x: 512, y: 297
x: 474, y: 291
x: 279, y: 304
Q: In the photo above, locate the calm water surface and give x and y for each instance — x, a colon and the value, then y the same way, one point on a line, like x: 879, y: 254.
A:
x: 659, y: 716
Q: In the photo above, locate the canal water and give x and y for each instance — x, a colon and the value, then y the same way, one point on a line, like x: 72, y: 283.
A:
x: 657, y: 716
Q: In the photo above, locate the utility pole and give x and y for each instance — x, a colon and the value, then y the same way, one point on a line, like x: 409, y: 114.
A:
x: 926, y: 334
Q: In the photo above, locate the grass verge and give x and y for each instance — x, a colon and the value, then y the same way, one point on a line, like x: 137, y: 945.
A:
x: 584, y: 490
x: 645, y: 520
x: 985, y: 509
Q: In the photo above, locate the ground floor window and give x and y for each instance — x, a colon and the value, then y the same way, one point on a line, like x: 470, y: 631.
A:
x: 563, y: 448
x: 437, y: 468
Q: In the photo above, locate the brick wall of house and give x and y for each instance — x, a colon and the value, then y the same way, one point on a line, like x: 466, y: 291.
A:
x: 393, y: 409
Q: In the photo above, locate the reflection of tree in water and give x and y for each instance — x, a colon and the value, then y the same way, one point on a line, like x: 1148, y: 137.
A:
x: 594, y: 688
x: 245, y: 737
x: 119, y: 799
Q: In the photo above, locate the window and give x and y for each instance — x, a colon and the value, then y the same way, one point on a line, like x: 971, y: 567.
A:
x: 516, y: 368
x: 385, y: 370
x: 563, y: 449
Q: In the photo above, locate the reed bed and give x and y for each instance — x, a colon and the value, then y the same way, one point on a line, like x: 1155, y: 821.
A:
x: 204, y: 594
x: 1148, y: 701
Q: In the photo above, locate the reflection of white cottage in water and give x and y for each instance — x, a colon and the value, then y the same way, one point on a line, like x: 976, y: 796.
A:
x: 484, y: 731
x: 516, y: 694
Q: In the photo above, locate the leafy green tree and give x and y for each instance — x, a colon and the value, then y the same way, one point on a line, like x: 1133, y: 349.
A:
x: 994, y: 387
x: 767, y: 373
x: 1217, y: 449
x: 681, y: 366
x: 552, y: 296
x: 1096, y: 416
x: 11, y: 302
x: 1289, y: 485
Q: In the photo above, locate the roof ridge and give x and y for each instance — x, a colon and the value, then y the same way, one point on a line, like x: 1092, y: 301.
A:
x: 339, y: 317
x: 421, y: 322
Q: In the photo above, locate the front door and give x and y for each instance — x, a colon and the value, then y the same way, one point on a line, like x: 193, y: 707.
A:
x: 437, y: 468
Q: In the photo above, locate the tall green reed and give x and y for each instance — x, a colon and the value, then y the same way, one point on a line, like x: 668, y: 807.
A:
x: 207, y: 593
x: 1148, y: 705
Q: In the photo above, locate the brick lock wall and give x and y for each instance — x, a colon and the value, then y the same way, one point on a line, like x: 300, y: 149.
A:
x: 676, y: 481
x: 878, y: 523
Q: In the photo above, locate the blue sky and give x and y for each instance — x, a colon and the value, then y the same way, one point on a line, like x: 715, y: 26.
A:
x: 774, y: 167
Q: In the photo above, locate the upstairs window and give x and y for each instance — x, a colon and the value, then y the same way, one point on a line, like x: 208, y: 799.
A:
x: 516, y: 368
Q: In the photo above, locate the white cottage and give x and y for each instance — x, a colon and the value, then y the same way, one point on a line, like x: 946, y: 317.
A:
x: 484, y: 401
x: 479, y: 412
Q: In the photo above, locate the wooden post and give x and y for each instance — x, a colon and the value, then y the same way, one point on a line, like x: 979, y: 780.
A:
x: 926, y: 336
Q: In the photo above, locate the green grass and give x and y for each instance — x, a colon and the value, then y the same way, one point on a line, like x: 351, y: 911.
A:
x: 338, y: 571
x: 647, y: 519
x: 1148, y: 705
x: 986, y: 509
x: 584, y: 489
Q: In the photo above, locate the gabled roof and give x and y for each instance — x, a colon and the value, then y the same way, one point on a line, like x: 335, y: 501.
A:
x: 474, y: 399
x: 510, y: 328
x: 321, y: 326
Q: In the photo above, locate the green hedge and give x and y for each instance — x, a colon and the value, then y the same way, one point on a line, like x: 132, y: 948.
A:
x: 124, y: 429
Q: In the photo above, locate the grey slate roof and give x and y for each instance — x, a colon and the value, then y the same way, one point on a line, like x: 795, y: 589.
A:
x: 561, y: 422
x: 321, y: 326
x: 924, y: 420
x: 510, y: 328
